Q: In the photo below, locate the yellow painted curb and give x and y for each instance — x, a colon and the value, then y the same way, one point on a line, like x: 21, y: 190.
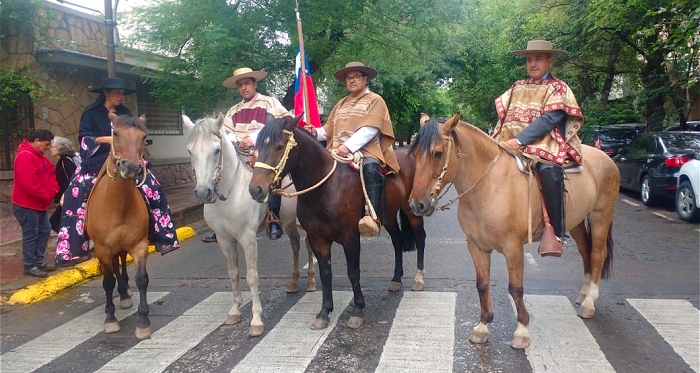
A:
x: 69, y: 277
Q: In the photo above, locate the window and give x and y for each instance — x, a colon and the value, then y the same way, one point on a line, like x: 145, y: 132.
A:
x: 160, y: 120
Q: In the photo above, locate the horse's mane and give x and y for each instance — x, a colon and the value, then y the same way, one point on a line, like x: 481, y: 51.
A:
x: 273, y: 131
x: 429, y: 133
x: 203, y: 126
x: 130, y: 121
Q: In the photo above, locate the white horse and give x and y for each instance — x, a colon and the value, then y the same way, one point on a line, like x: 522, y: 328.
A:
x: 222, y: 185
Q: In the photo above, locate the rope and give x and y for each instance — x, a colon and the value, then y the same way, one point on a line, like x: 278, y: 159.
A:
x: 490, y: 166
x: 358, y: 160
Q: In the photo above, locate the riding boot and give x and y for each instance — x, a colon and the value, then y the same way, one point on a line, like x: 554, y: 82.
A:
x: 552, y: 181
x: 274, y: 229
x: 210, y: 238
x: 373, y: 185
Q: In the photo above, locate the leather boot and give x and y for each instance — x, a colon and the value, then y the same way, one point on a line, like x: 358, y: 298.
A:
x: 373, y: 185
x: 210, y: 238
x: 274, y: 229
x: 552, y: 181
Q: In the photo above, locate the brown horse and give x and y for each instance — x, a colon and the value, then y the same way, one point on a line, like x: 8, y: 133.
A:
x: 330, y: 203
x: 117, y: 222
x: 493, y: 210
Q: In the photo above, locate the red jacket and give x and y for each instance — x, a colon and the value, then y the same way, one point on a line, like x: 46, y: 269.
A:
x: 35, y: 179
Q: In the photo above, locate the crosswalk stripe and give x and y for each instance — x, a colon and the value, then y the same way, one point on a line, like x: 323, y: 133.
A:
x: 62, y: 339
x: 291, y: 344
x: 559, y: 340
x: 173, y: 340
x: 422, y: 334
x: 677, y: 321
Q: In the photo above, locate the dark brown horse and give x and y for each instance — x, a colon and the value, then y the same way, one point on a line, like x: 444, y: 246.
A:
x: 117, y: 222
x: 493, y: 210
x: 330, y: 203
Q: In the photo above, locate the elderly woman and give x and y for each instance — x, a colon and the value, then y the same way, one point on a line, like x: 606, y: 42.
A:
x: 63, y: 149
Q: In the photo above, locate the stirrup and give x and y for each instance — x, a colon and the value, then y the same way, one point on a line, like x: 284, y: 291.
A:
x: 368, y: 227
x: 550, y: 245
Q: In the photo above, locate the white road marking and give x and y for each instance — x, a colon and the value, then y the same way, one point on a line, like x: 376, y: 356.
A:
x: 291, y: 344
x: 559, y: 340
x: 661, y: 215
x: 625, y: 200
x: 170, y: 342
x: 422, y: 334
x: 531, y: 260
x: 677, y: 321
x: 56, y: 342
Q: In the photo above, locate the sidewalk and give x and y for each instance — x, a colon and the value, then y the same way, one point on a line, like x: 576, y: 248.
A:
x: 183, y: 205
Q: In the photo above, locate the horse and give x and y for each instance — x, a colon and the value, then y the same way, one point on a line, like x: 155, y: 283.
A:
x: 222, y: 179
x: 331, y: 202
x: 117, y: 221
x: 495, y: 202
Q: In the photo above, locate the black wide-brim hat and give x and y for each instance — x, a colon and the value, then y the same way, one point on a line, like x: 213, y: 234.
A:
x: 113, y: 82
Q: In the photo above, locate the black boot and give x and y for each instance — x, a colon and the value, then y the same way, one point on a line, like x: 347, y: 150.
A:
x: 373, y: 185
x: 210, y: 238
x: 552, y: 180
x: 274, y: 229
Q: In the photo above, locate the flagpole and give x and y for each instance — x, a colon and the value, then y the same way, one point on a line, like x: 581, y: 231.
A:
x: 304, y: 91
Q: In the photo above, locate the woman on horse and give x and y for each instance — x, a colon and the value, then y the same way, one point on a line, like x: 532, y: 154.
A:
x: 95, y: 136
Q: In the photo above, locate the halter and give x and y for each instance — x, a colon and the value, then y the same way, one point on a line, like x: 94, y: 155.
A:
x: 116, y: 157
x: 217, y: 174
x: 291, y: 143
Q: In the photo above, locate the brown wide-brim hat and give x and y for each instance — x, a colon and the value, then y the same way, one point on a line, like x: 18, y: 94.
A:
x: 244, y: 72
x: 354, y: 66
x: 113, y: 82
x: 538, y: 46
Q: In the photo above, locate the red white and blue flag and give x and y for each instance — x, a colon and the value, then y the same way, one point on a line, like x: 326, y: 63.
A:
x: 310, y: 110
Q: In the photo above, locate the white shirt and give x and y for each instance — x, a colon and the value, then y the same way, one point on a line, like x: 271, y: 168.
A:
x: 360, y: 138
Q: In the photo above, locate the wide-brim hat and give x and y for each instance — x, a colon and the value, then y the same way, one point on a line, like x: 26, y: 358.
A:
x: 113, y: 82
x: 354, y: 66
x: 244, y: 72
x: 538, y: 46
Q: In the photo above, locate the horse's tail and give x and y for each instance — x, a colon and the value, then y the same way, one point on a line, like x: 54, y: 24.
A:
x: 607, y: 271
x: 408, y: 241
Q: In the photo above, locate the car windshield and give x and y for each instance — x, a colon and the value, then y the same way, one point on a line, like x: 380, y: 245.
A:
x: 617, y: 135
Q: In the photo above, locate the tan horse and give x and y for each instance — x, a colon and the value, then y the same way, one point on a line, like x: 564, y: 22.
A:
x: 493, y: 210
x: 117, y: 222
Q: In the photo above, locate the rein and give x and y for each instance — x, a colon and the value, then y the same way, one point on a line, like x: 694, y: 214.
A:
x: 291, y: 143
x: 116, y: 157
x: 217, y: 175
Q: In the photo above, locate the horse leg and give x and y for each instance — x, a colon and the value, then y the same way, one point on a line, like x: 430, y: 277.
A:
x: 111, y: 324
x: 482, y: 265
x: 122, y: 282
x: 311, y: 271
x: 143, y: 324
x: 514, y: 260
x: 395, y: 234
x: 322, y: 251
x: 293, y: 233
x: 599, y: 237
x: 419, y: 238
x: 250, y: 250
x: 230, y: 251
x: 352, y: 257
x: 580, y: 234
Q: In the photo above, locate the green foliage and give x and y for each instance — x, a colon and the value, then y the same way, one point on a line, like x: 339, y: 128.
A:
x: 15, y: 85
x: 615, y: 112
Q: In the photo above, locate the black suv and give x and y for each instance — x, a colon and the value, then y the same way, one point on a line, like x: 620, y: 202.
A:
x: 611, y: 139
x: 693, y: 125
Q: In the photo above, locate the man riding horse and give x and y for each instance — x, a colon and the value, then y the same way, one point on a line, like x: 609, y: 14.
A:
x: 539, y: 116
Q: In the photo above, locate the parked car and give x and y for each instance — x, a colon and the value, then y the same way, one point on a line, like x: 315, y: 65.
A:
x: 612, y: 138
x: 687, y: 199
x: 693, y: 125
x: 650, y: 163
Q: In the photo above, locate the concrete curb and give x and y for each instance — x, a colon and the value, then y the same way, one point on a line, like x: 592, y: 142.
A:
x: 75, y: 275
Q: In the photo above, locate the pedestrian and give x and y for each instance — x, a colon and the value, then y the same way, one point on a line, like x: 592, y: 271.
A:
x: 360, y: 122
x: 95, y: 136
x: 34, y: 189
x: 539, y: 116
x: 63, y: 149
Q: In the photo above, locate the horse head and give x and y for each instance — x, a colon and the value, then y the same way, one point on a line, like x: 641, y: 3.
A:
x: 128, y: 139
x: 432, y: 151
x: 206, y: 150
x: 274, y: 145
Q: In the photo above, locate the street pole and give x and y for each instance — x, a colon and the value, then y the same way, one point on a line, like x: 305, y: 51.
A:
x: 111, y: 46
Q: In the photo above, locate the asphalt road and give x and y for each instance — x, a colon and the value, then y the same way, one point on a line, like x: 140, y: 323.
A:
x: 656, y: 258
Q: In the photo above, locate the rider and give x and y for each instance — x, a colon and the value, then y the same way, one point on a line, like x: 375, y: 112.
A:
x: 360, y: 122
x: 540, y: 117
x: 95, y: 137
x: 246, y: 118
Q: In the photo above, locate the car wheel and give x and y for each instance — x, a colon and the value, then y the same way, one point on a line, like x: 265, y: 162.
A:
x: 686, y: 205
x: 646, y: 194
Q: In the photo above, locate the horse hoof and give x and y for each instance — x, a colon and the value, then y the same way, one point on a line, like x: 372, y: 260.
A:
x: 586, y: 312
x: 394, y: 286
x: 319, y: 324
x: 129, y: 292
x: 126, y: 303
x: 311, y: 286
x: 232, y: 319
x: 256, y: 330
x: 476, y: 337
x: 143, y: 333
x: 355, y: 322
x: 291, y: 289
x: 417, y: 286
x: 520, y: 343
x: 112, y: 327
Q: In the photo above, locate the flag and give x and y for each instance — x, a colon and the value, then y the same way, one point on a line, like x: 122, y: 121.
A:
x: 311, y: 112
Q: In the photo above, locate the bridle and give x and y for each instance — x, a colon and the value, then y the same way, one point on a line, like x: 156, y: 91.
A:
x: 291, y: 143
x: 117, y: 157
x: 217, y: 173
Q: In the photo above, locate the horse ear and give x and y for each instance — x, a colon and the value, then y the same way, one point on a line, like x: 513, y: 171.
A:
x: 451, y: 123
x: 424, y: 118
x: 187, y: 122
x: 220, y: 120
x: 292, y: 122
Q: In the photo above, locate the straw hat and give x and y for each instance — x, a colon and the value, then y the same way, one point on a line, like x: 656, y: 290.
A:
x: 355, y: 66
x: 244, y: 72
x: 538, y: 46
x: 113, y: 82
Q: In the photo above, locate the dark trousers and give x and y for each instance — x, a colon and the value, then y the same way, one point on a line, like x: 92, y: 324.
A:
x: 35, y: 234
